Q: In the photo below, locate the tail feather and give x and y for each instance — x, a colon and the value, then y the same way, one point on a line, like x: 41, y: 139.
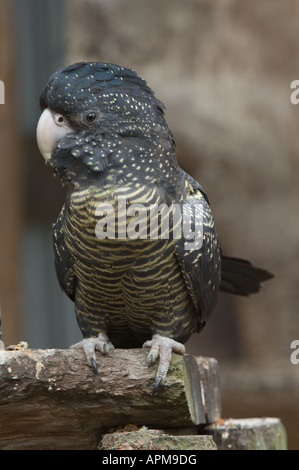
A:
x: 238, y: 276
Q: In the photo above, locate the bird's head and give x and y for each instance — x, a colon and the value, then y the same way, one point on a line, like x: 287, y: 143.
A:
x: 93, y: 113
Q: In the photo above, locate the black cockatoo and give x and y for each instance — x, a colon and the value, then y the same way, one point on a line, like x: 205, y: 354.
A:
x: 124, y: 251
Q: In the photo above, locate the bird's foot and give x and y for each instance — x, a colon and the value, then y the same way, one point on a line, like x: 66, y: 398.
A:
x: 91, y: 345
x: 2, y: 347
x: 162, y: 347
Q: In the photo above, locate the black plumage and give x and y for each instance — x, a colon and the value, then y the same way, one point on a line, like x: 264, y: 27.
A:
x: 114, y: 144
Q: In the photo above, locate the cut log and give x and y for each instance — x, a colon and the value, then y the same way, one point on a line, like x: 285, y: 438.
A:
x: 248, y: 434
x: 51, y: 399
x: 228, y: 434
x: 155, y: 439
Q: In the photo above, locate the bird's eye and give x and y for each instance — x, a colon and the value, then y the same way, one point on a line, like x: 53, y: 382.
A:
x: 59, y: 119
x: 90, y: 117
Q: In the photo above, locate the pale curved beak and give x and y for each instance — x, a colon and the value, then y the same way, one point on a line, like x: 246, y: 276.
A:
x: 50, y: 129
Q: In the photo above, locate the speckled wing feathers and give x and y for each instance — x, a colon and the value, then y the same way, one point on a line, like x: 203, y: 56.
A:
x: 201, y: 268
x: 64, y: 264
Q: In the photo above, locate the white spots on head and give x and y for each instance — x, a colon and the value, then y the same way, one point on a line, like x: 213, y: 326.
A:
x: 75, y: 152
x: 131, y: 120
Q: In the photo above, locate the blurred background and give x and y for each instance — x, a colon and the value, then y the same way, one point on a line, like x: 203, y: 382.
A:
x: 223, y: 68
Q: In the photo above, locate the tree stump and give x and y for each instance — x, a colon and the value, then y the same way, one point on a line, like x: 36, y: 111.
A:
x: 155, y: 439
x: 248, y: 434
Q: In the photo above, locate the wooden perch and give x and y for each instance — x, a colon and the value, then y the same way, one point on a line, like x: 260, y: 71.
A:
x: 51, y: 399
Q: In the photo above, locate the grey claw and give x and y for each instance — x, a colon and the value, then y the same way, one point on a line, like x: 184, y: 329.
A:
x: 94, y: 365
x: 157, y: 383
x: 149, y: 360
x: 161, y: 347
x: 91, y: 345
